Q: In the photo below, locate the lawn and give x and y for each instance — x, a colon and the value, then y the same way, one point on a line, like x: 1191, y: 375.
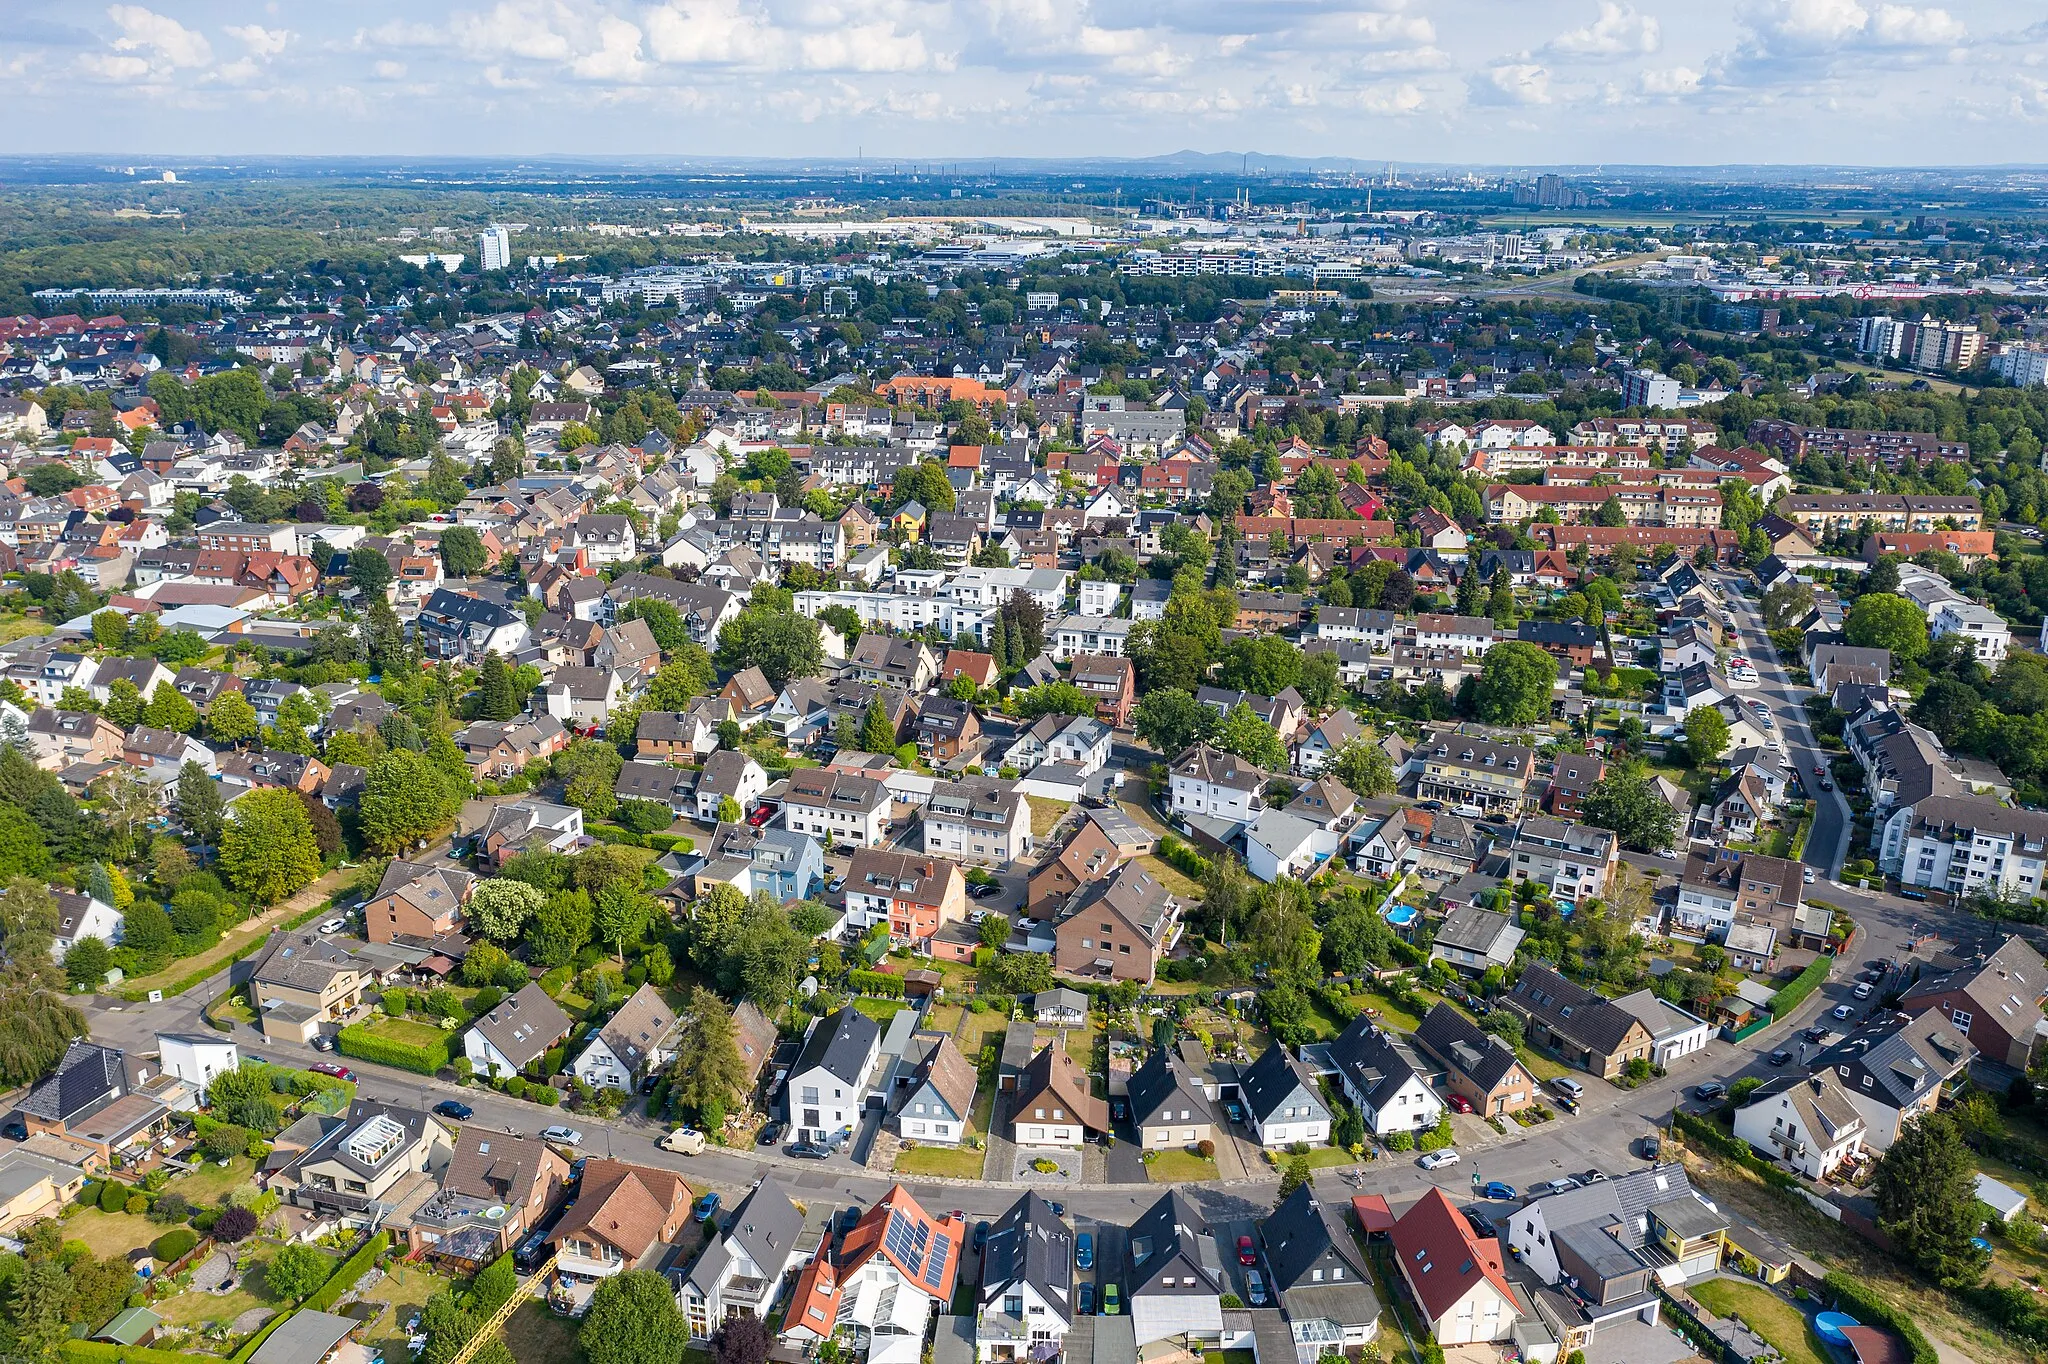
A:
x: 21, y: 627
x: 1770, y: 1316
x: 1080, y: 1043
x: 958, y: 1162
x: 206, y: 1183
x: 406, y: 1288
x: 195, y: 1310
x: 979, y: 1029
x: 1326, y: 1157
x: 1230, y: 1357
x: 1392, y: 1015
x: 1178, y: 884
x: 1045, y: 814
x: 538, y: 1336
x: 1181, y: 1167
x: 943, y: 1018
x: 411, y: 1033
x: 881, y: 1010
x: 111, y: 1233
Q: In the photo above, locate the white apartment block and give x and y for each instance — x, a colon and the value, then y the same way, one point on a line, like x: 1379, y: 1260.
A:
x: 1969, y: 845
x: 1986, y: 630
x: 1099, y: 598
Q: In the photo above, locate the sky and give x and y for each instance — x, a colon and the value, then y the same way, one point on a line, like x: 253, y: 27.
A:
x: 1493, y: 82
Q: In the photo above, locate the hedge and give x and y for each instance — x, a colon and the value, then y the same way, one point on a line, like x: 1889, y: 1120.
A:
x: 358, y: 1042
x: 1182, y: 858
x: 877, y: 983
x: 174, y: 1244
x: 1800, y: 986
x: 671, y: 842
x: 606, y: 833
x: 1853, y: 1297
x: 104, y: 1352
x: 343, y: 1279
x: 1709, y: 1134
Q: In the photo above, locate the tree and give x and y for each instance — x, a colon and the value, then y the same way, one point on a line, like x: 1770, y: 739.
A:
x: 462, y: 552
x: 1264, y: 665
x: 1364, y: 768
x: 22, y: 848
x: 234, y: 1225
x: 405, y: 799
x: 231, y: 719
x: 1296, y: 1174
x: 1611, y: 512
x: 370, y: 572
x: 782, y: 645
x: 1515, y: 681
x: 1882, y: 577
x: 1880, y: 620
x: 199, y: 804
x: 1626, y: 802
x: 268, y: 849
x: 1320, y: 681
x: 1926, y: 1195
x: 297, y: 1270
x: 877, y: 733
x: 633, y: 1319
x: 1245, y: 734
x: 1170, y: 720
x: 1949, y: 708
x: 497, y: 700
x: 620, y: 916
x: 1786, y: 604
x: 742, y: 1340
x: 707, y: 1074
x: 1706, y: 734
x: 88, y: 961
x: 923, y: 482
x: 1053, y: 698
x: 167, y: 709
x: 995, y: 931
x: 559, y: 929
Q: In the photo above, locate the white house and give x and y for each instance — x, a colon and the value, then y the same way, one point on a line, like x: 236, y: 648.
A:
x: 196, y: 1057
x: 1027, y: 1284
x: 1280, y: 846
x: 897, y: 1268
x: 517, y: 1033
x: 828, y: 1083
x: 1380, y: 1077
x: 1805, y: 1121
x: 1986, y: 630
x: 743, y: 1270
x: 844, y: 807
x: 1099, y: 597
x: 1083, y: 741
x: 82, y: 916
x: 638, y: 1040
x: 729, y: 774
x: 1282, y: 1102
x: 1207, y: 781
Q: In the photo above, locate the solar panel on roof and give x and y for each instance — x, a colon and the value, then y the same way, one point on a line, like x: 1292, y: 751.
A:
x: 935, y: 1268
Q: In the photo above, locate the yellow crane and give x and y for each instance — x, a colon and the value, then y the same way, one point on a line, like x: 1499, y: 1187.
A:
x: 503, y: 1314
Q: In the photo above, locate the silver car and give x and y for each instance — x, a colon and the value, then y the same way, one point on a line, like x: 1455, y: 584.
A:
x: 566, y: 1136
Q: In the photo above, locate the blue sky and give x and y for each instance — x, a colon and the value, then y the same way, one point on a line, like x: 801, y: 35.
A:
x: 1477, y: 81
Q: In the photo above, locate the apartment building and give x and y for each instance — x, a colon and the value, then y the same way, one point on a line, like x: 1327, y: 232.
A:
x: 1476, y: 775
x: 914, y: 893
x: 1573, y: 861
x: 1835, y: 513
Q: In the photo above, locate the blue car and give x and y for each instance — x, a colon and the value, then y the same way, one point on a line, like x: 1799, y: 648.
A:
x: 1496, y: 1189
x: 1084, y: 1251
x: 707, y: 1206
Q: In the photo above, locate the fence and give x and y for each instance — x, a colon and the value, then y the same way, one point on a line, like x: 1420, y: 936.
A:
x: 1749, y: 1029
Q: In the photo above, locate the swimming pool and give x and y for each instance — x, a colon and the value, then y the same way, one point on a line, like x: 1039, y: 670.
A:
x: 1400, y: 916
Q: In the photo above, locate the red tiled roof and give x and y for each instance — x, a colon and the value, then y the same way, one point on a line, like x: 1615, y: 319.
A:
x: 1442, y: 1258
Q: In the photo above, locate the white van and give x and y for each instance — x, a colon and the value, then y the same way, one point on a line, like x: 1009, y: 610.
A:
x: 686, y: 1141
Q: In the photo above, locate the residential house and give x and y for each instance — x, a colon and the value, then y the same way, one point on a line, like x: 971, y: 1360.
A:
x: 1475, y: 940
x: 1478, y: 1065
x: 1210, y: 783
x: 417, y: 901
x: 979, y: 820
x: 828, y: 1082
x: 933, y: 1101
x: 728, y: 775
x: 899, y: 662
x: 1806, y: 1121
x: 584, y: 698
x: 1088, y: 854
x: 497, y: 1187
x: 1116, y: 928
x: 1754, y: 901
x: 1897, y: 1069
x: 1053, y: 1104
x: 1454, y: 1275
x: 378, y: 1153
x: 1325, y: 741
x: 196, y: 1057
x: 515, y: 1034
x: 527, y: 826
x: 300, y: 984
x: 947, y: 729
x: 1993, y: 999
x: 636, y: 1042
x: 1582, y: 1027
x: 892, y: 1272
x: 837, y: 807
x: 1572, y: 861
x: 1282, y: 1102
x: 1475, y: 776
x: 1167, y: 1104
x: 1383, y: 1081
x: 1173, y: 1274
x: 741, y: 1272
x: 624, y: 1217
x: 82, y: 916
x: 502, y: 748
x: 1323, y: 1286
x: 1025, y: 1303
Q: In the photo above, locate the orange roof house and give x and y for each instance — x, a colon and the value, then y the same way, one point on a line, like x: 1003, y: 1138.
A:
x: 897, y: 1259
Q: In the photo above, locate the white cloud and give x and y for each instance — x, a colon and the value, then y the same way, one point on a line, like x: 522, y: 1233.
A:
x: 167, y: 40
x: 1810, y: 26
x: 120, y: 70
x: 1902, y: 25
x: 1396, y: 28
x: 1618, y: 31
x: 389, y: 70
x: 1677, y: 80
x: 866, y: 47
x: 1512, y: 83
x: 692, y: 32
x: 261, y: 41
x: 617, y: 55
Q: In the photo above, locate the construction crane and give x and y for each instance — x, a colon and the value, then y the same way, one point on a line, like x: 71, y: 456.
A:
x: 504, y: 1314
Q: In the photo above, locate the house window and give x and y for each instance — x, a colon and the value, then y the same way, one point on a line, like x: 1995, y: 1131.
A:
x: 1962, y: 1019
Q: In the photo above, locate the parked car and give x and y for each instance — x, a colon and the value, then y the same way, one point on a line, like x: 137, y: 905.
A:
x: 1844, y: 1011
x: 1496, y: 1189
x: 770, y: 1134
x: 980, y: 1235
x: 849, y: 1219
x: 836, y: 884
x: 1247, y: 1254
x: 807, y: 1150
x: 449, y: 1108
x: 687, y: 1141
x: 1586, y: 1177
x: 321, y: 1042
x: 982, y: 892
x: 1085, y: 1302
x: 1460, y: 1104
x: 1651, y: 1147
x: 1779, y: 1057
x: 761, y: 815
x: 1255, y: 1288
x: 1112, y: 1301
x: 1862, y: 990
x: 708, y: 1206
x: 1810, y: 876
x: 1436, y: 1160
x: 329, y: 1068
x: 567, y: 1136
x: 1084, y: 1251
x: 1568, y: 1087
x: 1555, y: 1186
x: 1817, y: 1033
x: 529, y: 1253
x: 1710, y: 1092
x: 333, y: 925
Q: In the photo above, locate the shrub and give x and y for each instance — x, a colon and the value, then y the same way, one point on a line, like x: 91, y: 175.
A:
x: 1800, y: 986
x: 1206, y: 1148
x: 545, y: 1095
x: 396, y: 1002
x: 113, y: 1196
x: 206, y: 1219
x: 174, y: 1244
x: 1400, y: 1141
x: 170, y: 1208
x: 234, y: 1225
x: 363, y: 1045
x: 137, y: 1203
x: 877, y: 983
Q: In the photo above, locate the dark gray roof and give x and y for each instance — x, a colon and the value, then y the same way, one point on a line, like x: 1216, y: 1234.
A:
x: 1369, y: 1057
x: 1903, y: 1059
x: 1459, y: 1044
x: 840, y: 1045
x: 1170, y: 1239
x: 1572, y: 1011
x: 1473, y: 929
x: 1159, y: 1084
x: 1299, y: 1241
x: 1274, y: 1080
x: 525, y: 1025
x: 1030, y: 1244
x: 89, y: 1075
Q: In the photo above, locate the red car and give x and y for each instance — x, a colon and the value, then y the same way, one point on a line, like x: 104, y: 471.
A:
x: 1245, y: 1254
x: 1461, y: 1103
x: 761, y: 816
x: 329, y: 1068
